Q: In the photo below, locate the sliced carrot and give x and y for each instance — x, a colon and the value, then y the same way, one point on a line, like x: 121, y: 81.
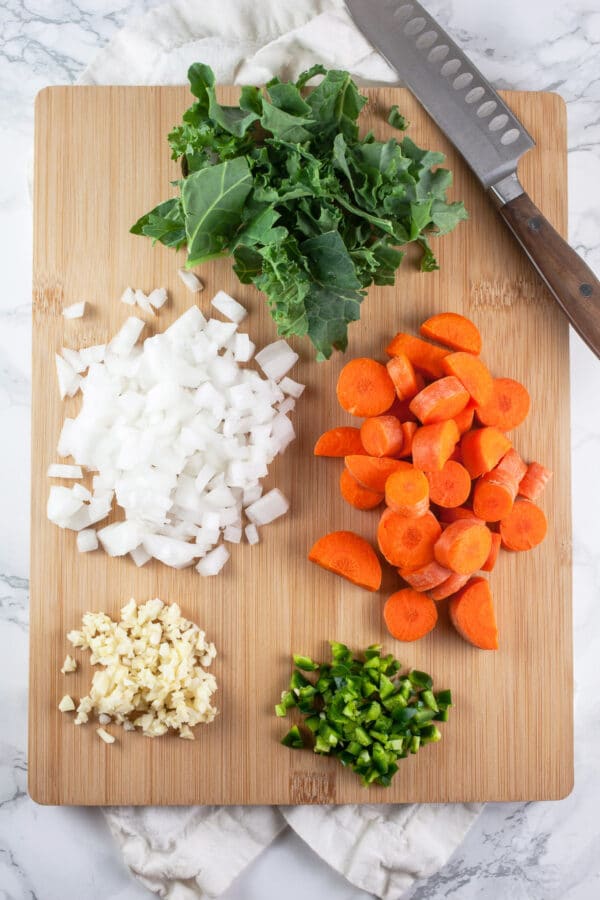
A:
x: 407, y: 543
x: 524, y: 527
x: 364, y: 388
x: 409, y: 615
x: 442, y: 399
x: 407, y: 493
x: 510, y: 469
x: 482, y: 449
x: 491, y: 560
x: 450, y: 486
x: 357, y: 495
x: 425, y: 358
x: 472, y: 373
x: 457, y: 514
x: 404, y: 377
x: 472, y: 614
x: 433, y: 445
x: 448, y: 587
x: 349, y: 555
x: 463, y: 547
x: 507, y: 406
x: 453, y: 330
x: 408, y: 432
x: 425, y: 578
x: 343, y: 441
x: 382, y: 436
x: 373, y: 471
x: 492, y: 500
x: 464, y: 419
x: 534, y: 481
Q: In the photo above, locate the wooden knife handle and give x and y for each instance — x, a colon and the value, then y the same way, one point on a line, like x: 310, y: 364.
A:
x: 571, y: 281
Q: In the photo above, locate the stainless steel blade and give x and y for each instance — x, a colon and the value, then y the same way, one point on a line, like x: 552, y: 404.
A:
x: 452, y: 90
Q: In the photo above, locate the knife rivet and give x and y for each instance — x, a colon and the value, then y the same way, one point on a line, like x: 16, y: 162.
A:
x: 535, y: 223
x: 586, y: 290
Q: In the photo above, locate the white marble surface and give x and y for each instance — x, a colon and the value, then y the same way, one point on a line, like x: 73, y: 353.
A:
x: 536, y: 851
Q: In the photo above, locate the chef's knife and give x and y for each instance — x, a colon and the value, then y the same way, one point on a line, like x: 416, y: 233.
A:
x: 490, y: 138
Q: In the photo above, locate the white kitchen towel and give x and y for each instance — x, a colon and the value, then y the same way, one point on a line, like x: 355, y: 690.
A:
x: 185, y: 853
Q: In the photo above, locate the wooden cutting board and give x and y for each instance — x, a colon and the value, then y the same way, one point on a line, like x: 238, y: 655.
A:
x: 101, y: 160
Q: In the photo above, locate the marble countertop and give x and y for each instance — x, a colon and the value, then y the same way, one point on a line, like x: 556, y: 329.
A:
x: 533, y: 851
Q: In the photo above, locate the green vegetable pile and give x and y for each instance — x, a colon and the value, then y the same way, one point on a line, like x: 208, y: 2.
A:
x: 311, y: 213
x: 364, y: 713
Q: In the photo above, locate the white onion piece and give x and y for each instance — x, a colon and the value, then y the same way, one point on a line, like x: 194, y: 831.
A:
x: 123, y: 342
x: 81, y: 493
x: 94, y: 354
x: 57, y: 470
x: 268, y: 508
x: 68, y: 379
x: 172, y: 552
x: 143, y: 302
x: 74, y: 311
x: 251, y: 532
x: 276, y: 359
x: 251, y: 493
x: 286, y: 406
x: 214, y: 561
x: 292, y: 388
x: 191, y: 280
x: 139, y: 556
x: 120, y: 538
x: 233, y: 534
x: 229, y: 307
x: 243, y: 348
x: 157, y: 298
x: 62, y: 504
x: 128, y: 296
x: 73, y: 357
x: 87, y: 540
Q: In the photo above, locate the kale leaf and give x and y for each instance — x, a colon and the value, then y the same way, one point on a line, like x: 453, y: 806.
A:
x: 311, y: 212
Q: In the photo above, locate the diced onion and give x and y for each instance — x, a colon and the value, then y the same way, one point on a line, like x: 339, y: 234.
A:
x: 292, y: 388
x: 251, y: 532
x: 276, y: 359
x: 58, y: 470
x: 87, y: 540
x: 74, y: 311
x: 268, y: 508
x: 191, y: 280
x: 229, y: 307
x: 214, y: 561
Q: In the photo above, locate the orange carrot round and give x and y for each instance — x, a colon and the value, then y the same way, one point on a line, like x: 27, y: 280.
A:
x: 433, y: 445
x: 482, y: 449
x: 453, y: 330
x: 463, y: 547
x: 349, y: 555
x: 408, y: 432
x: 404, y: 378
x: 409, y: 615
x: 450, y: 486
x: 534, y: 480
x: 364, y: 388
x: 492, y: 558
x: 407, y: 492
x: 407, y: 543
x: 492, y: 500
x: 473, y: 374
x: 448, y: 587
x: 440, y: 400
x: 357, y: 495
x: 425, y: 578
x: 507, y: 406
x: 464, y: 419
x: 472, y: 614
x: 373, y: 471
x: 510, y: 469
x: 343, y: 441
x: 425, y: 358
x: 382, y: 436
x: 524, y: 527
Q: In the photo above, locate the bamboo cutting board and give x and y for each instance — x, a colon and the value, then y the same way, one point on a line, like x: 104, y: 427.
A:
x: 102, y: 160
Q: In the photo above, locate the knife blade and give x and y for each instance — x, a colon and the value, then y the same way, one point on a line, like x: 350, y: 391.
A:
x: 488, y: 135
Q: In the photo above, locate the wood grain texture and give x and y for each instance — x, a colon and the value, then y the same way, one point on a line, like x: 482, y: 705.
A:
x: 101, y: 160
